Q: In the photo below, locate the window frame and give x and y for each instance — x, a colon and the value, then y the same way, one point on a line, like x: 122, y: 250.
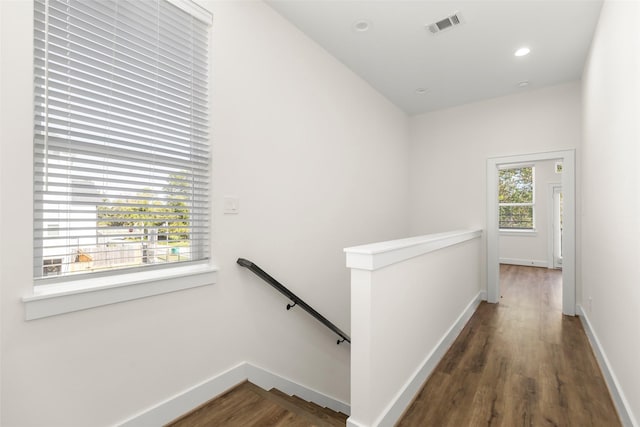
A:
x: 89, y: 293
x: 68, y: 293
x: 519, y: 231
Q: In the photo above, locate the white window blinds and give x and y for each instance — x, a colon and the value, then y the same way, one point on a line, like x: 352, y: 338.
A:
x: 121, y: 151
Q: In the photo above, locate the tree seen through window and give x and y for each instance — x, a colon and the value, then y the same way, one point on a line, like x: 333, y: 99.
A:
x: 516, y: 198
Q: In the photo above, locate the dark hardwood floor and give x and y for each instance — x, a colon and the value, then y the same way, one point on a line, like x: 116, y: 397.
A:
x: 517, y: 363
x: 247, y: 405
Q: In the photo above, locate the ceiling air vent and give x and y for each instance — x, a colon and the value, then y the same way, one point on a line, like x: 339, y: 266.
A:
x: 445, y: 24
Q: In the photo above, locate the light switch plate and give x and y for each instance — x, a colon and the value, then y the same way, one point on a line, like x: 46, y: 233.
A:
x: 231, y: 205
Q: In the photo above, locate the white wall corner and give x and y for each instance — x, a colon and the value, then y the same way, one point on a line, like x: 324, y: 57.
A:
x: 183, y: 402
x: 619, y: 399
x: 403, y: 399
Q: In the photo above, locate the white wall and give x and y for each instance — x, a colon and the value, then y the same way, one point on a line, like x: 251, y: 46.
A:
x: 2, y: 106
x: 318, y: 160
x: 531, y: 248
x: 611, y: 193
x: 449, y: 148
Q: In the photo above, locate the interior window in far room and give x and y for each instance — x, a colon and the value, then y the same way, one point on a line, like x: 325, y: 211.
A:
x: 516, y: 198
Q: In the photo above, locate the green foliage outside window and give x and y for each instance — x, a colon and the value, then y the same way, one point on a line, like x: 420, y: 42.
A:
x: 170, y: 218
x: 515, y: 198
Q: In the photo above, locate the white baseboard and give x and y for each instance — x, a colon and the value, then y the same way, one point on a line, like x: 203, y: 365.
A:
x: 353, y: 423
x: 183, y: 402
x: 527, y: 262
x: 195, y: 396
x: 403, y: 399
x: 619, y: 400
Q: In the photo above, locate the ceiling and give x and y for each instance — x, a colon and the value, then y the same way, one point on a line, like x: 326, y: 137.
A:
x: 472, y: 61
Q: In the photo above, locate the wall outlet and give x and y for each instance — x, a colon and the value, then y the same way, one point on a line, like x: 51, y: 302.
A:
x: 231, y: 205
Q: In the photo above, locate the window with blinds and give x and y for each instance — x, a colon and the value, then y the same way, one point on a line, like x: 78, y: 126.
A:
x: 121, y: 149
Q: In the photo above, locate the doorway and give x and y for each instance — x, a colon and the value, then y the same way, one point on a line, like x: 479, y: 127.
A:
x: 567, y: 237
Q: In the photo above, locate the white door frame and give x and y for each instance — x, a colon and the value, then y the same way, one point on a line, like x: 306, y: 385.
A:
x: 553, y: 221
x: 569, y: 225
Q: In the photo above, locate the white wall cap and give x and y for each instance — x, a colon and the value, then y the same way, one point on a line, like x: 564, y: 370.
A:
x: 378, y: 255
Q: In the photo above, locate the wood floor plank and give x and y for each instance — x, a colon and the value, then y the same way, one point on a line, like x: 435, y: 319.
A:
x: 517, y: 363
x: 241, y: 406
x: 312, y: 413
x: 248, y: 405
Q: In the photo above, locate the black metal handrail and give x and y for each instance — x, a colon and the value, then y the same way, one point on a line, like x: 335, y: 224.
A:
x: 293, y: 297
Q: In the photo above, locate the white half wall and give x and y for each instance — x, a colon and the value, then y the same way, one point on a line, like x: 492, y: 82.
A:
x: 409, y: 302
x: 611, y: 196
x: 318, y: 161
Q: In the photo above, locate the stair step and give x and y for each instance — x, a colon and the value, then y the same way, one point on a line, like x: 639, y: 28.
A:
x: 248, y: 405
x: 327, y: 415
x: 286, y: 401
x: 239, y: 406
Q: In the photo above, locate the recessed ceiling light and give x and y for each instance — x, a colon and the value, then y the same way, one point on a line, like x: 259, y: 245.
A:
x: 522, y: 51
x: 523, y: 83
x: 422, y: 90
x: 362, y: 26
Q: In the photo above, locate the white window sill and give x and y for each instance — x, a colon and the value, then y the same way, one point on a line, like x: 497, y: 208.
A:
x: 54, y: 299
x: 520, y: 233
